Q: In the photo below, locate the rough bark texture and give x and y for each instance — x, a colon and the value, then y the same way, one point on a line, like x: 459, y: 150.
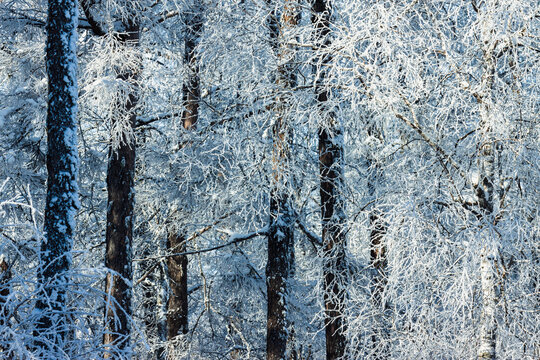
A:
x: 62, y: 167
x: 119, y: 233
x: 331, y: 189
x: 279, y: 270
x: 191, y: 86
x: 177, y: 306
x: 280, y: 265
x: 5, y: 277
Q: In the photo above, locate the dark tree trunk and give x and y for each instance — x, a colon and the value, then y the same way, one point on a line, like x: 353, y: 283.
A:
x: 5, y: 278
x: 119, y: 234
x: 191, y: 87
x: 334, y: 242
x: 177, y: 306
x: 62, y: 167
x: 331, y: 192
x: 279, y: 269
x: 280, y: 265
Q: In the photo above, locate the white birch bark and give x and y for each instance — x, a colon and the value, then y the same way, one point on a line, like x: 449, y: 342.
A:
x: 485, y: 191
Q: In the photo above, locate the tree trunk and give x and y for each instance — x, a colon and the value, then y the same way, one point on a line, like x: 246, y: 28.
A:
x: 331, y: 190
x: 119, y: 233
x: 280, y: 265
x: 177, y: 306
x: 62, y: 166
x: 150, y: 307
x: 5, y: 278
x: 378, y: 259
x: 379, y: 263
x: 191, y: 87
x: 485, y: 195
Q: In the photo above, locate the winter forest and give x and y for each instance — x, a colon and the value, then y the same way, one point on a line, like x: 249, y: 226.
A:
x: 270, y: 179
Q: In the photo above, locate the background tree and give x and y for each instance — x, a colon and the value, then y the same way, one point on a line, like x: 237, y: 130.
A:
x: 280, y: 266
x: 332, y: 193
x: 177, y: 313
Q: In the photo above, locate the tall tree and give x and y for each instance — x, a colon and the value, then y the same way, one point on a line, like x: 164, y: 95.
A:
x: 62, y: 166
x: 331, y: 191
x: 121, y: 196
x: 379, y: 263
x: 280, y: 265
x: 484, y: 185
x: 177, y: 306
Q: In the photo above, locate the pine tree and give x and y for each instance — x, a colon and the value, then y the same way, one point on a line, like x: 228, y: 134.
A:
x: 62, y: 166
x: 177, y: 307
x: 121, y: 197
x: 331, y: 159
x: 280, y: 265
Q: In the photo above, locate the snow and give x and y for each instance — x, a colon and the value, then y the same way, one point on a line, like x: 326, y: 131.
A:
x: 4, y: 113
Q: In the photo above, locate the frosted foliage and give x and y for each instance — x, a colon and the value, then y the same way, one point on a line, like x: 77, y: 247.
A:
x: 438, y: 103
x: 105, y: 91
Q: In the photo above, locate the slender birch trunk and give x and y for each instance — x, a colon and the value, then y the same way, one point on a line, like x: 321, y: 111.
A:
x: 489, y: 252
x: 378, y: 262
x: 485, y: 194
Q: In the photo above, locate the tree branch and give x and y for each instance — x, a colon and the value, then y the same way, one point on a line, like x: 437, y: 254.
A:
x: 233, y: 239
x: 95, y: 26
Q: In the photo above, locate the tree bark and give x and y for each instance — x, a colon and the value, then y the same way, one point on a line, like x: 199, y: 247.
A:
x: 280, y: 265
x: 379, y: 262
x: 485, y: 194
x: 119, y: 233
x: 177, y: 306
x: 5, y: 278
x: 191, y: 86
x: 150, y: 307
x: 62, y: 167
x: 331, y: 193
x: 378, y: 259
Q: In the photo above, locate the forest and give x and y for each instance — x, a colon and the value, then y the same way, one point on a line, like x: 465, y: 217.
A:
x: 270, y: 179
